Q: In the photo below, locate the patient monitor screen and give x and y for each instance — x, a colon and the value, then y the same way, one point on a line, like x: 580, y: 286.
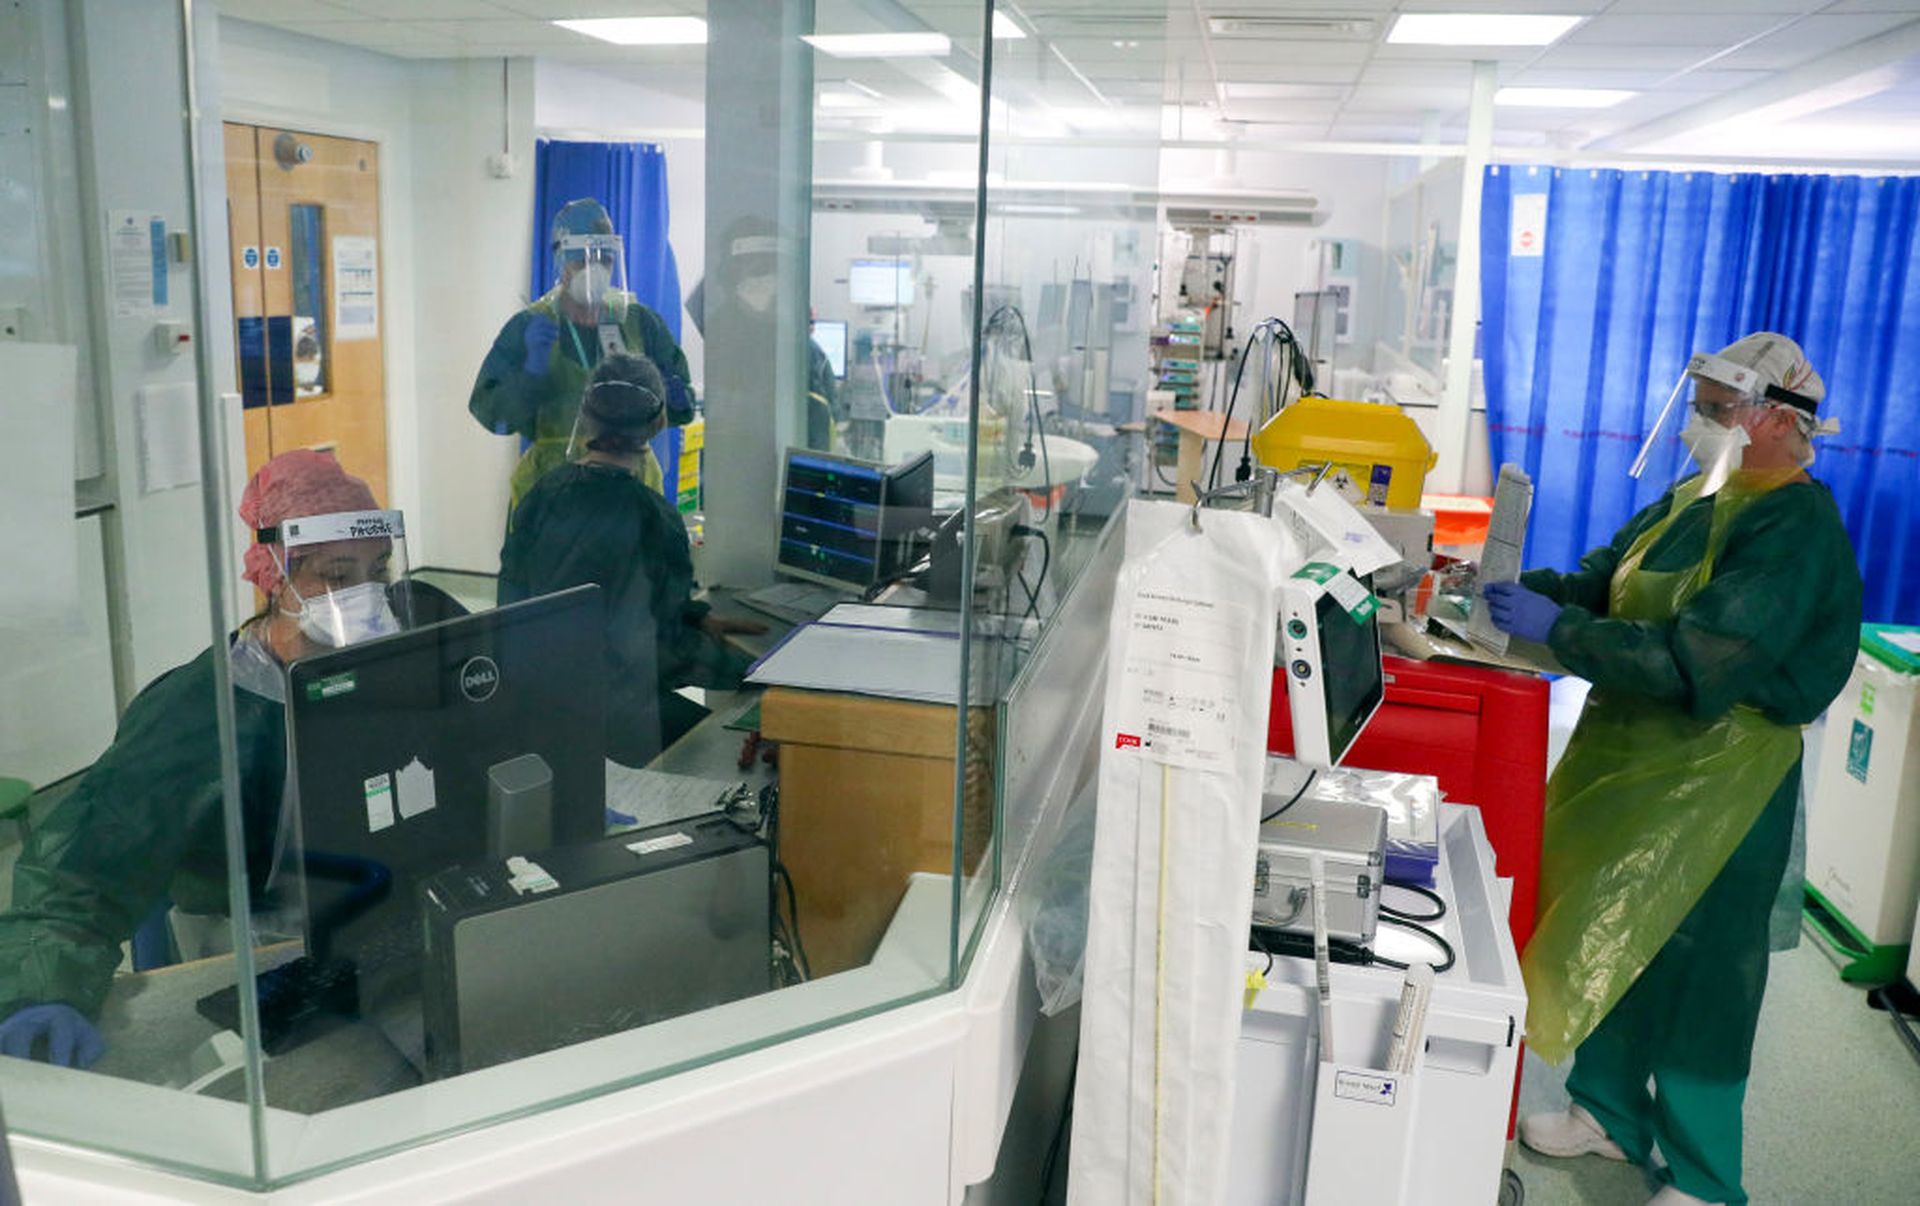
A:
x: 1351, y: 680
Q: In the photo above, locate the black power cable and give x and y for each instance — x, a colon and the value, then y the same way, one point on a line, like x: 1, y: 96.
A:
x: 1034, y: 431
x: 1311, y: 776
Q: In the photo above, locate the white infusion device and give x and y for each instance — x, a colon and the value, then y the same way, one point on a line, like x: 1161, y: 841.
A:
x: 1332, y: 665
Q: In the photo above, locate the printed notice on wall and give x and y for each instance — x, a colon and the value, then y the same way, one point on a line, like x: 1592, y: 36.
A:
x: 1529, y: 228
x: 131, y: 239
x: 356, y: 287
x: 1179, y: 691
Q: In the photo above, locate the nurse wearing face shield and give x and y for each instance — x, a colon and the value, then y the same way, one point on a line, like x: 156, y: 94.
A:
x: 1716, y: 624
x: 143, y: 829
x: 531, y: 381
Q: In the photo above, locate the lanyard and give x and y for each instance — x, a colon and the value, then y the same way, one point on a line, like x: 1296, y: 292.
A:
x: 578, y: 348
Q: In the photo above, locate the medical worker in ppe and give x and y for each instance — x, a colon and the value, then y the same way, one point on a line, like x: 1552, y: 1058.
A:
x: 591, y: 521
x: 144, y: 826
x: 1713, y: 626
x: 530, y: 382
x: 741, y: 298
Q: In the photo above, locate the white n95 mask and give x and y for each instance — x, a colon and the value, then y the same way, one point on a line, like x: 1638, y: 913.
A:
x: 591, y: 283
x: 347, y: 617
x: 1716, y: 449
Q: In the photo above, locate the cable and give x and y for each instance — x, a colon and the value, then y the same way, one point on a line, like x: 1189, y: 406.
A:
x: 1311, y: 776
x: 1028, y: 532
x: 1445, y: 946
x: 1034, y: 430
x: 793, y: 910
x: 1439, y: 905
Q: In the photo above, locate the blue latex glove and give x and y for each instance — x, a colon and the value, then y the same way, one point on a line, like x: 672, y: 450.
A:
x: 1526, y: 614
x: 71, y: 1040
x: 540, y: 336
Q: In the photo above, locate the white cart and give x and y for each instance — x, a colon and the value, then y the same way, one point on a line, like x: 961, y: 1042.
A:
x: 1450, y: 1146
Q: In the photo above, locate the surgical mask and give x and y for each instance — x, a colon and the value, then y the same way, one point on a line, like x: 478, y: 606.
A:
x: 1713, y: 447
x: 590, y: 284
x: 346, y: 617
x: 756, y: 293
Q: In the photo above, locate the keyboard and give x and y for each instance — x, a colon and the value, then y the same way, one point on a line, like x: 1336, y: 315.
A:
x: 794, y: 602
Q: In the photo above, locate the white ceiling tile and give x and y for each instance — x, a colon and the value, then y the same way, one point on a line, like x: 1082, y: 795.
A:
x: 1872, y: 6
x: 1713, y: 30
x: 1776, y: 8
x: 550, y: 10
x: 1811, y: 38
x: 1292, y: 73
x: 1260, y: 50
x: 1449, y: 74
x: 1649, y: 55
x: 277, y: 12
x: 1555, y: 8
x: 429, y: 10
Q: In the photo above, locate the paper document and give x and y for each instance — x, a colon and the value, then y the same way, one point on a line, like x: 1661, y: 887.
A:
x: 1322, y: 517
x: 1506, y: 540
x: 919, y: 666
x: 655, y: 797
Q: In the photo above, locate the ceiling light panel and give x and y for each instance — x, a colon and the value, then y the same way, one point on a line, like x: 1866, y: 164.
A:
x: 881, y: 45
x: 1562, y: 98
x: 1480, y: 29
x: 641, y: 31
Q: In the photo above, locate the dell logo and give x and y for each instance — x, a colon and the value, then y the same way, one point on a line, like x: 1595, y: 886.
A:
x: 479, y: 679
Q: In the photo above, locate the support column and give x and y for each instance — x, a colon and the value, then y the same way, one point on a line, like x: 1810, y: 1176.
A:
x: 759, y: 198
x: 1456, y: 404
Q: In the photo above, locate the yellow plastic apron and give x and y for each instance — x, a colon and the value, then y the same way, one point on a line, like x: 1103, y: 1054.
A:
x: 1643, y: 811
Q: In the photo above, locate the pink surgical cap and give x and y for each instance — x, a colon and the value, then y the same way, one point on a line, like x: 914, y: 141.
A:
x: 295, y: 485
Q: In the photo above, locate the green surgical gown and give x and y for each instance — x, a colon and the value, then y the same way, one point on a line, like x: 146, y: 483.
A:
x: 142, y: 828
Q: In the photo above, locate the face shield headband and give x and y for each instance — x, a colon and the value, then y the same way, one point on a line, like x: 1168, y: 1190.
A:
x: 337, y: 617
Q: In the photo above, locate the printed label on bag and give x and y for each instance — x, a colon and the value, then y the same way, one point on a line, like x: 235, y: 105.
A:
x: 1179, y: 698
x: 1362, y: 1086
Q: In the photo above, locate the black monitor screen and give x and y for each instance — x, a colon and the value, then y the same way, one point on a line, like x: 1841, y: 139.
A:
x: 830, y: 519
x: 392, y: 742
x: 1351, y: 676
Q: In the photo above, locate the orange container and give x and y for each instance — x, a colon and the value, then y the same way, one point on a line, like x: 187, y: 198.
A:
x: 1458, y: 519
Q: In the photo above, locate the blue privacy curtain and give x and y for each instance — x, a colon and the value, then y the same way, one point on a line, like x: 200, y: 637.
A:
x: 1588, y: 322
x: 630, y: 179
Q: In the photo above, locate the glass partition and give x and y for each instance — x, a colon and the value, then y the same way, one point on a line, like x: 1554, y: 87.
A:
x: 557, y: 605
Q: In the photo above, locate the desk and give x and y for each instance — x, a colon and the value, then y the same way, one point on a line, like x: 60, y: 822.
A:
x: 1197, y: 428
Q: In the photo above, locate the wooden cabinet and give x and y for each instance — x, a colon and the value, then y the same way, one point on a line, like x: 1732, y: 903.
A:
x: 866, y: 800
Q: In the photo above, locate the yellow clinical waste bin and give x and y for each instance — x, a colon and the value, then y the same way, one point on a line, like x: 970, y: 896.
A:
x: 1377, y: 452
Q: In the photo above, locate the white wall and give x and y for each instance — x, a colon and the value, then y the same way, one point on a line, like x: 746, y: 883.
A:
x: 454, y: 252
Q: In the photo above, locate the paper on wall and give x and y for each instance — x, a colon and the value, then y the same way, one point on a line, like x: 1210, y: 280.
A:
x: 356, y: 287
x: 168, y: 422
x: 136, y: 254
x: 39, y: 536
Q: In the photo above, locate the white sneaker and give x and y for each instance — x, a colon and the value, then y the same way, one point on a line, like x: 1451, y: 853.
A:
x: 1572, y: 1133
x: 1670, y: 1196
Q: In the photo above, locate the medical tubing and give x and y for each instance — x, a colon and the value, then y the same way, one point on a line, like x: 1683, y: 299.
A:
x: 1046, y: 560
x: 1034, y: 429
x: 1311, y: 776
x: 1297, y: 368
x: 1160, y: 962
x: 1439, y: 905
x: 1430, y: 935
x: 1317, y: 878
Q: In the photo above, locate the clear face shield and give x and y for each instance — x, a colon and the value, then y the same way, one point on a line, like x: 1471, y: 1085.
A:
x: 593, y: 275
x: 343, y: 573
x: 1704, y: 420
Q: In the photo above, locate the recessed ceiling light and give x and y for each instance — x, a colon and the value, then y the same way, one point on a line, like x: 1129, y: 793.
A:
x: 1561, y: 98
x: 1006, y: 27
x: 881, y: 45
x: 642, y: 31
x: 1479, y: 29
x: 1125, y: 44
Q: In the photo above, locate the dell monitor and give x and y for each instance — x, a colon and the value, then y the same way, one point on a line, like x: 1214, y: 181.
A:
x: 880, y: 283
x: 478, y: 737
x: 1331, y: 662
x: 831, y: 336
x: 851, y: 523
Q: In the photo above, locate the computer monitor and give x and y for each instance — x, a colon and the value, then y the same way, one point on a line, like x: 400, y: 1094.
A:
x: 392, y: 744
x: 880, y: 283
x: 831, y: 335
x: 1335, y: 682
x: 851, y: 523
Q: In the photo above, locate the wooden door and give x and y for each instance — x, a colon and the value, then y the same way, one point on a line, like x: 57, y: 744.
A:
x: 304, y: 210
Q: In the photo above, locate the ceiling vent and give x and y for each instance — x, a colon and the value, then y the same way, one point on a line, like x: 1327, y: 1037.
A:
x: 1266, y: 26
